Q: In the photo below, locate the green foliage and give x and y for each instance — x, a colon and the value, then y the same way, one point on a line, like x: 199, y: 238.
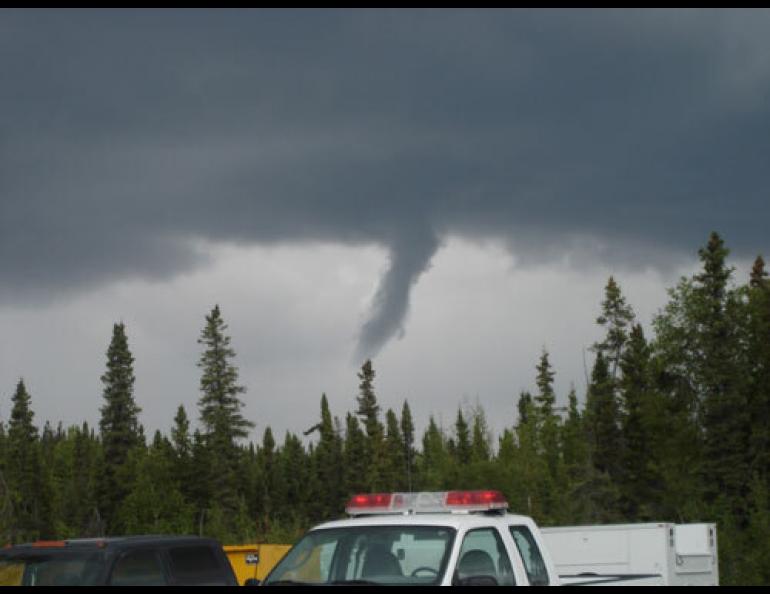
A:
x: 220, y: 405
x: 675, y: 427
x: 120, y: 430
x: 223, y: 424
x: 26, y: 497
x: 615, y: 318
x: 374, y: 455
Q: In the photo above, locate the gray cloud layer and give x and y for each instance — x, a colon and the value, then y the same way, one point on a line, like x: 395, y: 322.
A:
x: 124, y: 136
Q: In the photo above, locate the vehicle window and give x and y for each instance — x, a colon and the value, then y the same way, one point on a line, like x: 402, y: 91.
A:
x: 530, y: 555
x: 408, y: 555
x: 483, y: 555
x: 196, y: 564
x: 70, y: 569
x: 138, y: 568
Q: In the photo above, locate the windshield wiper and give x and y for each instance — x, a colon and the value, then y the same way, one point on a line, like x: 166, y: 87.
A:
x: 354, y: 583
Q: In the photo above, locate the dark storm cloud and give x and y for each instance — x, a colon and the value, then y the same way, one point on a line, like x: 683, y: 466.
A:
x: 126, y: 136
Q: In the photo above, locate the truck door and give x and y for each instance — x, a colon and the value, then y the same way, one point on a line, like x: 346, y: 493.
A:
x: 537, y: 572
x: 483, y: 560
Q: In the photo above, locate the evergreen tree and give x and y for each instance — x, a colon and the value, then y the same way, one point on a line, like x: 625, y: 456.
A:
x: 180, y: 434
x: 616, y: 317
x: 81, y: 508
x: 220, y: 414
x: 220, y: 404
x: 155, y: 504
x: 524, y: 407
x: 270, y: 482
x: 462, y: 445
x: 407, y: 431
x: 369, y: 411
x: 758, y: 364
x: 577, y: 465
x: 547, y: 422
x: 529, y: 468
x: 480, y: 448
x: 434, y: 464
x: 23, y: 469
x: 119, y: 426
x: 294, y: 468
x: 545, y: 398
x: 183, y: 470
x: 395, y: 449
x: 329, y: 465
x: 720, y: 376
x: 643, y: 417
x: 356, y: 466
x: 603, y: 420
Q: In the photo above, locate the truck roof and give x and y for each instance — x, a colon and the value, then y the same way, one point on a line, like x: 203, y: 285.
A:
x: 450, y: 519
x: 105, y: 543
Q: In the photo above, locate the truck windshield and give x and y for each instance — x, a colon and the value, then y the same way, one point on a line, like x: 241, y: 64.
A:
x: 80, y: 568
x: 394, y: 555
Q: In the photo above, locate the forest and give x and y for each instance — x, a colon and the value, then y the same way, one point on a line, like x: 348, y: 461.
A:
x: 673, y: 426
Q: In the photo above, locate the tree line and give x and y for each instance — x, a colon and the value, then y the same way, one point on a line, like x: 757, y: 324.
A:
x: 672, y: 427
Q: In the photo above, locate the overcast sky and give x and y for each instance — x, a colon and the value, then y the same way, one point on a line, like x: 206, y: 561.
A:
x: 443, y: 191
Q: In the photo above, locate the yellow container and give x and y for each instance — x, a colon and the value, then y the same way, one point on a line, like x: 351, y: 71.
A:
x: 254, y: 560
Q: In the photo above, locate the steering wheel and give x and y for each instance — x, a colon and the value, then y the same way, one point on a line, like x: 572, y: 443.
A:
x: 424, y: 568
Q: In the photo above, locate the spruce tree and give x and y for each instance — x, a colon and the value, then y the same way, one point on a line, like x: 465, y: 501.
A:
x: 329, y: 464
x: 81, y: 505
x: 577, y: 465
x: 603, y: 420
x: 119, y: 425
x: 758, y: 355
x: 356, y: 466
x: 462, y: 444
x: 547, y: 420
x: 545, y: 397
x: 23, y: 469
x: 643, y: 415
x: 395, y: 479
x: 720, y: 378
x: 184, y: 472
x: 220, y: 404
x: 480, y: 448
x: 220, y: 413
x: 294, y: 468
x: 270, y: 487
x: 369, y: 411
x: 407, y: 431
x: 524, y: 408
x: 434, y: 464
x: 155, y: 504
x: 616, y: 317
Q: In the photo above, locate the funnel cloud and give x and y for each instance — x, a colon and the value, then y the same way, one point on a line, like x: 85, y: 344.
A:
x: 409, y: 258
x: 128, y: 136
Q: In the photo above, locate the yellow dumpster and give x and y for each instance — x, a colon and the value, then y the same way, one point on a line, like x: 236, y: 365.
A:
x: 254, y: 560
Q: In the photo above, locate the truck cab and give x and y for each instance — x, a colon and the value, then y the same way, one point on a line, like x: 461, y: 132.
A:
x: 117, y: 561
x: 421, y: 539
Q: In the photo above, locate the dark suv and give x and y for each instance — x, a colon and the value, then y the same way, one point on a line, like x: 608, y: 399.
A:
x: 118, y: 561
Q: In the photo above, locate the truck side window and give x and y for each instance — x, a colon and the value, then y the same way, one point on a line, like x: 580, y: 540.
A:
x: 195, y: 565
x: 138, y: 568
x: 483, y: 554
x: 530, y: 554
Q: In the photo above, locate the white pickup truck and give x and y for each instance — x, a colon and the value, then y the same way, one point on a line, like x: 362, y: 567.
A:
x: 676, y: 554
x: 449, y: 538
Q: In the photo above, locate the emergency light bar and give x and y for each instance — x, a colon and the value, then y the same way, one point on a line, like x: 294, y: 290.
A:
x: 425, y: 502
